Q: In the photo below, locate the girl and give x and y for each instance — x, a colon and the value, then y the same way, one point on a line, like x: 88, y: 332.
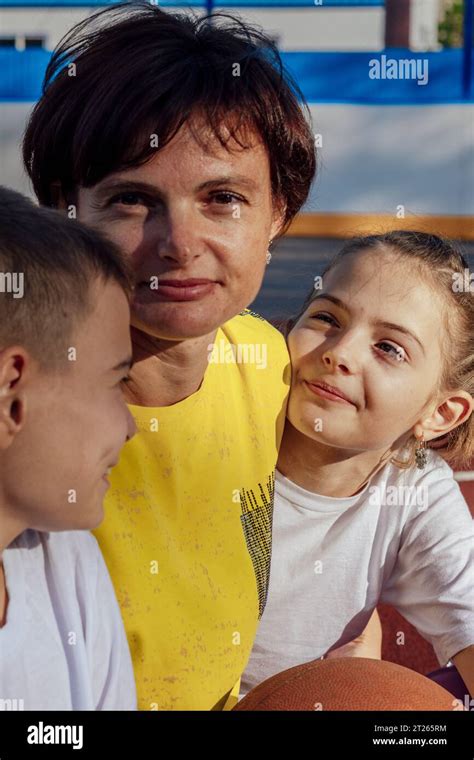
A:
x: 365, y: 510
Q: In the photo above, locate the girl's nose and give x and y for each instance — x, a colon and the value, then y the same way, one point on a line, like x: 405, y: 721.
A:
x: 343, y: 356
x: 332, y: 363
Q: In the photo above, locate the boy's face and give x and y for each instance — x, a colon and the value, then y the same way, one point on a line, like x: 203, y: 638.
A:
x: 76, y: 422
x: 189, y: 214
x: 379, y: 344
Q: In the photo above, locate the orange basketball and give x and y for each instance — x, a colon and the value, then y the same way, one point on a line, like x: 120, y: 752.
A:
x: 348, y: 683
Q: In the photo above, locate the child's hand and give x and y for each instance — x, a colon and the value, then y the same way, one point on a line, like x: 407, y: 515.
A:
x: 367, y: 644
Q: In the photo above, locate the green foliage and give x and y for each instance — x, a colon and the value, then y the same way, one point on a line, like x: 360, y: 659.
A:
x: 450, y: 29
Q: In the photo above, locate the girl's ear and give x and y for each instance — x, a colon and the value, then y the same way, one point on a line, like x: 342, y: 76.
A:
x: 451, y: 413
x: 12, y: 398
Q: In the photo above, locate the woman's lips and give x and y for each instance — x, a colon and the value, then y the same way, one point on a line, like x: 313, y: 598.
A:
x: 324, y: 391
x: 180, y: 290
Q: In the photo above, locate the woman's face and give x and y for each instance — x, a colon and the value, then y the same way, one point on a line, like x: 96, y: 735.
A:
x: 373, y: 333
x: 189, y: 214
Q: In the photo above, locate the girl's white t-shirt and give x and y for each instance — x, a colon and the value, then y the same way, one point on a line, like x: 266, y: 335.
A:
x: 63, y: 646
x: 406, y: 539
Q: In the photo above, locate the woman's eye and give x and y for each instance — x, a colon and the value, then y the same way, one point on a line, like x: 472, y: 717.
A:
x: 128, y: 199
x: 324, y: 318
x: 225, y: 198
x: 125, y: 379
x: 395, y: 352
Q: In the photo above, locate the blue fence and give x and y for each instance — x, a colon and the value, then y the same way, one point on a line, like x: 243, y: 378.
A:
x: 338, y: 77
x: 193, y: 3
x: 323, y: 77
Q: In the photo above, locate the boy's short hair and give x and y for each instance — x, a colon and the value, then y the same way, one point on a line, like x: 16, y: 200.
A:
x: 48, y: 264
x: 133, y: 72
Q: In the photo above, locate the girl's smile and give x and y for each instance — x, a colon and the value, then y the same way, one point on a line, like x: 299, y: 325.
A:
x: 330, y: 392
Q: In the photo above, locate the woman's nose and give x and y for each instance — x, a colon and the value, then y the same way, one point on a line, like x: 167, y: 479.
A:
x: 180, y: 239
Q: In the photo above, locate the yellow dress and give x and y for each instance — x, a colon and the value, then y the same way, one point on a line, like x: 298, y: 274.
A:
x: 187, y: 529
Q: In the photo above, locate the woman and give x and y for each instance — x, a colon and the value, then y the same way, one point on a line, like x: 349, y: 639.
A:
x: 185, y: 143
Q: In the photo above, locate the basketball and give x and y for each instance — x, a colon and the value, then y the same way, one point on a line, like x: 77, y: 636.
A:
x: 348, y: 683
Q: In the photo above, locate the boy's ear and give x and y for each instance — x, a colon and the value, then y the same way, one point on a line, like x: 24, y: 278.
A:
x: 451, y: 413
x: 13, y: 363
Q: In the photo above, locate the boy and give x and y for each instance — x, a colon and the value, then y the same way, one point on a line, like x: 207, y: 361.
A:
x: 64, y: 349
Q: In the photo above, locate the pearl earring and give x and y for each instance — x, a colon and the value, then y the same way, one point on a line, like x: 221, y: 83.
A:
x: 268, y: 257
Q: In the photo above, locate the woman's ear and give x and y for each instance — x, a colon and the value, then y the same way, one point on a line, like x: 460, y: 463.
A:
x: 451, y: 413
x: 279, y: 214
x: 59, y: 200
x: 13, y: 362
x: 57, y: 196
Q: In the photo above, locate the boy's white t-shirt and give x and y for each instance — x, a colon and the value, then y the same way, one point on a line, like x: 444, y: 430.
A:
x: 63, y: 646
x: 406, y: 540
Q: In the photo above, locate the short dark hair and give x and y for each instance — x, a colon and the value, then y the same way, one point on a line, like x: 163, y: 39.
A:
x: 142, y: 71
x: 58, y: 260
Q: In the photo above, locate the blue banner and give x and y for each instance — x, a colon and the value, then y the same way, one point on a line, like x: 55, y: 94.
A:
x: 391, y: 77
x: 196, y: 4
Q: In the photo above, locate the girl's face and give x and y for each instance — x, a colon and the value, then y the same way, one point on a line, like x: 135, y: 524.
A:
x: 373, y: 335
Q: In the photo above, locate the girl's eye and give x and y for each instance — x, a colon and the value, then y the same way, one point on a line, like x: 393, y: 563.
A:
x: 324, y: 318
x: 125, y: 379
x: 395, y: 352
